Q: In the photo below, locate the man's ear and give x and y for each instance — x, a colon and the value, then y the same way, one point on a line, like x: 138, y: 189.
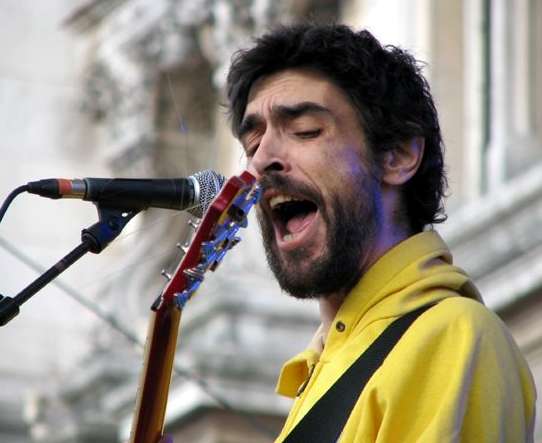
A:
x: 401, y: 163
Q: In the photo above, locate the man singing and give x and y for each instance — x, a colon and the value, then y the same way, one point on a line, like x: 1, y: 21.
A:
x: 343, y: 135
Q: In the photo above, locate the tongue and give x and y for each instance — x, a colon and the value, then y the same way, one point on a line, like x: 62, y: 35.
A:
x: 297, y: 223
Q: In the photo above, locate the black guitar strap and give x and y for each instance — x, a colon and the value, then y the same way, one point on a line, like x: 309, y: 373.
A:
x: 325, y: 421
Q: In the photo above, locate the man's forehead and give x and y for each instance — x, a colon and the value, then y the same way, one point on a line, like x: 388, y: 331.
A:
x: 290, y: 87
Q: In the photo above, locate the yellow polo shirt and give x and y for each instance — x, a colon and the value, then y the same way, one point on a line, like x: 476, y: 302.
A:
x: 455, y: 376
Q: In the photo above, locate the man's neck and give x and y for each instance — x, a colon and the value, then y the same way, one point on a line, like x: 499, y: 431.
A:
x: 329, y: 305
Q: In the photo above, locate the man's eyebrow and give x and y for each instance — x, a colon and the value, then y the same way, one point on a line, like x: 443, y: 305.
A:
x: 299, y: 109
x: 282, y: 112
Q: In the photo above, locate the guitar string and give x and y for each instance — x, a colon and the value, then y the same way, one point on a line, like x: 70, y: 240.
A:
x: 113, y: 322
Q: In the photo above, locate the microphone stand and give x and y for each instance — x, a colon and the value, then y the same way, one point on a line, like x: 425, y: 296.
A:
x: 93, y: 239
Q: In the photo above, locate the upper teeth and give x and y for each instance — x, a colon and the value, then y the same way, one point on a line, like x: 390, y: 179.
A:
x: 278, y: 199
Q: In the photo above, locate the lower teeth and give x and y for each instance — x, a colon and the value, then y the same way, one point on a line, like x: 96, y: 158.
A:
x: 288, y: 237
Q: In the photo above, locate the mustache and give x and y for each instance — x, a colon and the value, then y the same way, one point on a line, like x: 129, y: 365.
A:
x: 288, y: 185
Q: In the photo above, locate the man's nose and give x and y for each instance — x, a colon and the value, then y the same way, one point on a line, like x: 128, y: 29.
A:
x: 271, y: 155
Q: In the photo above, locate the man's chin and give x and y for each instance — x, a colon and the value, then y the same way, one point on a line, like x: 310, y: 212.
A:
x: 303, y: 275
x: 295, y: 275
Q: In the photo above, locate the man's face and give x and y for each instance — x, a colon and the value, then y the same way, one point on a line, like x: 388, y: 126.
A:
x: 321, y: 203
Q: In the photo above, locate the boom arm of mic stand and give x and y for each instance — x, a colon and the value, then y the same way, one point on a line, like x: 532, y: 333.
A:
x: 93, y: 239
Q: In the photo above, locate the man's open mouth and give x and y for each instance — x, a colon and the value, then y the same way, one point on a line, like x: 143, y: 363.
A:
x: 291, y: 215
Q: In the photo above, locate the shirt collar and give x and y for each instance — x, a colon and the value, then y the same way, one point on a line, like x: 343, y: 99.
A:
x: 381, y: 280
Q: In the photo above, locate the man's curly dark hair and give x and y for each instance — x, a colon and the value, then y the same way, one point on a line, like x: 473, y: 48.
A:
x: 385, y: 85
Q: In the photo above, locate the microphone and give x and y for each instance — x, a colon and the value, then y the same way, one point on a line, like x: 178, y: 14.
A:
x: 194, y: 193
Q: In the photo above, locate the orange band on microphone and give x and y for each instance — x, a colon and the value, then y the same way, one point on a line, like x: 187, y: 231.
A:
x: 64, y: 186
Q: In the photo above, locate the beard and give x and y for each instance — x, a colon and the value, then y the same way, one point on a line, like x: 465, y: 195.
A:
x: 351, y: 220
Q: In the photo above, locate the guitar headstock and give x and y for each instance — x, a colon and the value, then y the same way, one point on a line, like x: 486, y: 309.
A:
x: 215, y: 235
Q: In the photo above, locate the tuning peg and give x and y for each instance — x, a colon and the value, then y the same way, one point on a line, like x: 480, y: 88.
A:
x: 194, y: 274
x: 183, y: 247
x: 164, y: 273
x: 193, y: 224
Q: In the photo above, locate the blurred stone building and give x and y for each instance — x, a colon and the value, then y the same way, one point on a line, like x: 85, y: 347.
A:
x: 138, y: 88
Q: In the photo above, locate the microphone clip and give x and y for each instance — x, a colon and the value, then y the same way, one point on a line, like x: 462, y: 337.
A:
x: 111, y: 222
